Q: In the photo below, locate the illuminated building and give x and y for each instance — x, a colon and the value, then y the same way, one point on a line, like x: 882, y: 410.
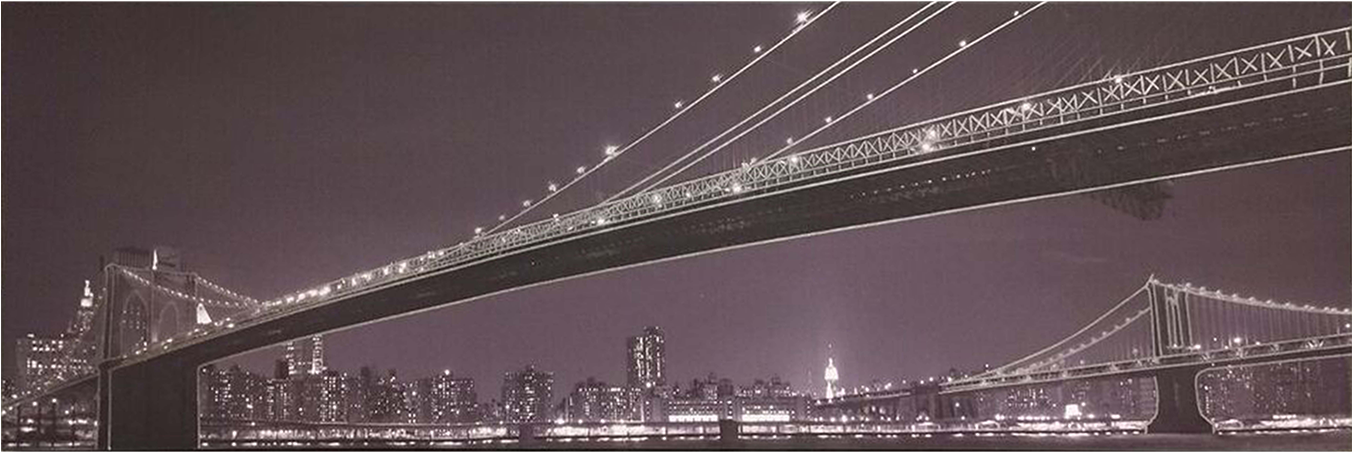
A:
x: 1315, y: 387
x: 304, y: 389
x: 449, y: 399
x: 647, y: 359
x: 305, y: 356
x: 832, y: 378
x: 596, y: 401
x: 83, y: 321
x: 527, y: 395
x: 10, y: 391
x: 233, y: 394
x: 43, y: 361
x: 323, y: 397
x: 713, y: 399
x: 384, y: 397
x: 698, y: 410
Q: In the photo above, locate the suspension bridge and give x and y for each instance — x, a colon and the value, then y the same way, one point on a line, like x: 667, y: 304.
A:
x: 1112, y: 138
x: 1169, y: 332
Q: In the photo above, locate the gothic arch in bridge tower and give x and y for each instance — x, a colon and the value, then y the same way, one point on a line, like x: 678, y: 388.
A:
x: 168, y: 322
x: 133, y: 323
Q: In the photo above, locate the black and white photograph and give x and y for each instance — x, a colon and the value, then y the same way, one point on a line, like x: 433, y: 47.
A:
x: 676, y: 225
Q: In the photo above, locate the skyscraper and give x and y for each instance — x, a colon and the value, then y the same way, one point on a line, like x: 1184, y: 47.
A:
x: 647, y: 359
x: 832, y: 376
x: 527, y: 395
x: 232, y: 394
x: 305, y: 356
x: 42, y: 361
x: 450, y: 399
x: 84, y: 313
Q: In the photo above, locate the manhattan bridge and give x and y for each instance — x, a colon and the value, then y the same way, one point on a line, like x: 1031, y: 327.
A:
x: 146, y: 329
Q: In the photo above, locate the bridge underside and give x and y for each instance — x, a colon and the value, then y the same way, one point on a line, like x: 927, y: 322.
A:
x: 153, y: 402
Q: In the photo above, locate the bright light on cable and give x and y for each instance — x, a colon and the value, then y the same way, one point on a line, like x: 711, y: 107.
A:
x: 803, y: 17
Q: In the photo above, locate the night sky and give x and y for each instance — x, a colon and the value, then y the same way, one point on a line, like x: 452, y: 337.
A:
x: 278, y: 146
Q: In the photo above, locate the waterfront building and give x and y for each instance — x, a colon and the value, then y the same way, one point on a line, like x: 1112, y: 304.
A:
x: 527, y: 395
x: 646, y: 358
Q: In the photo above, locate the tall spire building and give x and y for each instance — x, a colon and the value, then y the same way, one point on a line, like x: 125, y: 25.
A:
x: 832, y: 378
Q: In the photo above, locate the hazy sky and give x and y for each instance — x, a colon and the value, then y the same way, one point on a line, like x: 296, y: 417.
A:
x: 282, y: 145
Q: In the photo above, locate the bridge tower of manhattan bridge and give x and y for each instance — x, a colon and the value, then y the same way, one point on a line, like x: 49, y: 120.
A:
x: 1178, y: 410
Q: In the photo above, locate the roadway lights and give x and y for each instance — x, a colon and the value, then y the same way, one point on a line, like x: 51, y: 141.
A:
x: 793, y: 159
x: 1026, y: 106
x: 1237, y: 340
x: 1117, y: 79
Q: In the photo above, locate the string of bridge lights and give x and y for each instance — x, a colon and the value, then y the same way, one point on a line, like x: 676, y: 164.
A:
x: 801, y: 21
x: 222, y: 289
x: 963, y: 45
x: 179, y: 294
x: 869, y: 99
x: 1092, y: 341
x: 1252, y: 301
x: 1055, y: 346
x: 786, y: 94
x: 1199, y: 291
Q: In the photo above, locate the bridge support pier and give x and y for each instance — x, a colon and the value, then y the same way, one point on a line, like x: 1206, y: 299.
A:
x: 729, y: 431
x: 1177, y: 409
x: 152, y: 406
x: 525, y: 434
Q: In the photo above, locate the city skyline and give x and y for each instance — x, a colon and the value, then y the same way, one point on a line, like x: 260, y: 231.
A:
x: 355, y: 172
